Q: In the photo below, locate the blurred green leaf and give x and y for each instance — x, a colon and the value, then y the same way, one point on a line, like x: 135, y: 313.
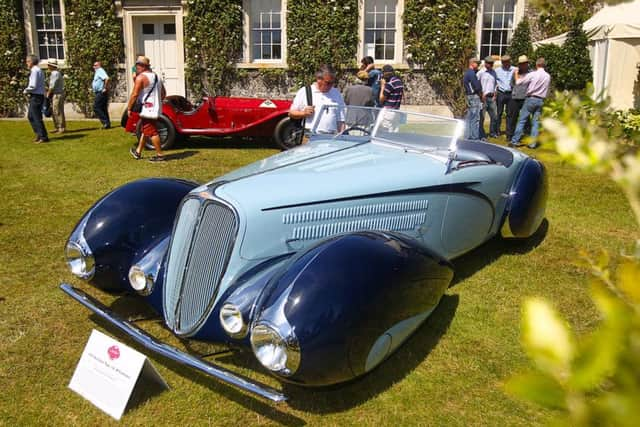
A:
x: 546, y: 337
x: 538, y: 388
x: 629, y: 279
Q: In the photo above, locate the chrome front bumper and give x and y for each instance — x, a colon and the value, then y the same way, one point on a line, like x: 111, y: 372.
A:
x: 158, y: 347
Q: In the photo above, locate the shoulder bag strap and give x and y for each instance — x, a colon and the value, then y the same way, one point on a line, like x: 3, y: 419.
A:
x: 152, y: 88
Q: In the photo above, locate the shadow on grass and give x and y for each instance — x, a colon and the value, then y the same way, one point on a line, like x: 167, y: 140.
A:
x: 401, y: 363
x: 128, y: 307
x: 227, y: 142
x: 65, y: 137
x: 466, y: 265
x: 178, y: 156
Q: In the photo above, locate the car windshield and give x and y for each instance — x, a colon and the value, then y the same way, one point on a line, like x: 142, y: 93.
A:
x: 407, y: 129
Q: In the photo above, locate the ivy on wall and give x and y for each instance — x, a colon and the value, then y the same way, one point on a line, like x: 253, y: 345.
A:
x: 93, y: 33
x: 439, y: 36
x: 213, y: 44
x: 13, y: 72
x: 319, y: 32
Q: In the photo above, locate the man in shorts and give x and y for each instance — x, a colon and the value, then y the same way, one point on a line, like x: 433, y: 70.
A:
x: 149, y: 92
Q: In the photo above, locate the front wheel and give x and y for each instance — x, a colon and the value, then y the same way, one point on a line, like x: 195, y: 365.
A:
x: 166, y: 130
x: 287, y: 134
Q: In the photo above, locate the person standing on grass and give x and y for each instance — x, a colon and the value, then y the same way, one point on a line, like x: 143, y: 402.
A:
x: 504, y: 74
x: 473, y: 93
x: 489, y: 83
x: 537, y: 90
x: 518, y: 95
x: 56, y: 95
x: 35, y: 91
x: 149, y: 92
x: 100, y: 88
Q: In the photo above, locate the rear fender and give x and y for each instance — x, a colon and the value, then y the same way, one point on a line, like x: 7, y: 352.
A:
x: 527, y: 201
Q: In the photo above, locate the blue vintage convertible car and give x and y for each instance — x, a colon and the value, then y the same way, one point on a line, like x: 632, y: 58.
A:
x: 322, y: 259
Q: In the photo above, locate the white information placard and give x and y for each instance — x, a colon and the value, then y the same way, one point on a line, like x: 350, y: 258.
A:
x: 108, y: 372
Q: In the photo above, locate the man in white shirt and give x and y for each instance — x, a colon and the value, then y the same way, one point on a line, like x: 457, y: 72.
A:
x: 323, y: 93
x: 489, y: 84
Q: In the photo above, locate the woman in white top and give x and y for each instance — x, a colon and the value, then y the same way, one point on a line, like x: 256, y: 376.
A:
x: 149, y: 91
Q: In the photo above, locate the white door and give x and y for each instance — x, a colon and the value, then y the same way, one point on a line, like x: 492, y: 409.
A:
x: 157, y: 41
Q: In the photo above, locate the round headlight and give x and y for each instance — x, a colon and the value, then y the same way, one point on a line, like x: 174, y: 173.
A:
x: 139, y: 280
x: 231, y: 320
x: 273, y: 351
x: 80, y: 260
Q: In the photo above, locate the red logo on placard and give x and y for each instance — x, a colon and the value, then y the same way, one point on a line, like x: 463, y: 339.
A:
x: 113, y: 352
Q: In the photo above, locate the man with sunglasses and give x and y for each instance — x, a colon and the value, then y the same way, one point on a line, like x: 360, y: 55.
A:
x: 323, y: 93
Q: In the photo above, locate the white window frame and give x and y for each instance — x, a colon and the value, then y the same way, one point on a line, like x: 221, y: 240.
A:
x: 517, y: 17
x: 399, y: 58
x: 31, y: 31
x: 247, y: 42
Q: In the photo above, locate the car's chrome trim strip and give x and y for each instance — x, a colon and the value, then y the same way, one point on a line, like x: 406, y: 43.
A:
x: 158, y: 347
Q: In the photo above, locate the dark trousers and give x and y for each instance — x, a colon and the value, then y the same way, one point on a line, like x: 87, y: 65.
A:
x: 100, y: 107
x: 35, y: 116
x: 513, y: 111
x: 502, y: 103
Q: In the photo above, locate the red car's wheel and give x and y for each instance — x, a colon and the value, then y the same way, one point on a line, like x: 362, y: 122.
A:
x: 166, y: 130
x: 287, y: 134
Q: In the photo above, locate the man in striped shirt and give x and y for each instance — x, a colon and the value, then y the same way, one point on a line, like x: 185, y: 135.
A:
x: 392, y: 88
x: 390, y: 98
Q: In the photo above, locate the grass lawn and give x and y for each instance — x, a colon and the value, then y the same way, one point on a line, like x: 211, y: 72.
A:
x: 450, y: 372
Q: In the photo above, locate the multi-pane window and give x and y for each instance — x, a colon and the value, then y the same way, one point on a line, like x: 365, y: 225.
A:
x: 266, y: 30
x: 380, y: 29
x: 497, y: 26
x: 49, y: 28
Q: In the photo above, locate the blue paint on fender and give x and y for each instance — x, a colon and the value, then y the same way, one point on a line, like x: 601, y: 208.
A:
x: 128, y: 222
x: 345, y: 292
x: 528, y: 201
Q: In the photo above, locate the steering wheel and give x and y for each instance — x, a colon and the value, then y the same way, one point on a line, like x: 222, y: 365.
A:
x: 355, y: 127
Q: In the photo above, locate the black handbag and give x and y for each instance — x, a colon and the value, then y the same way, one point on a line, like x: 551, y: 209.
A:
x: 295, y: 137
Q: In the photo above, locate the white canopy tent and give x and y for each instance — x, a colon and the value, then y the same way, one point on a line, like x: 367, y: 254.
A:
x: 614, y: 47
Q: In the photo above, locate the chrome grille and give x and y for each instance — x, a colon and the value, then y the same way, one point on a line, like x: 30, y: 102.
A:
x: 200, y: 248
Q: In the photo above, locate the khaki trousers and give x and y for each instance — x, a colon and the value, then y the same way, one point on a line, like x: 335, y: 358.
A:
x: 57, y: 114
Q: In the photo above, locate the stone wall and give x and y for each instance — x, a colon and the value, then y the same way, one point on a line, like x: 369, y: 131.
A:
x: 280, y: 85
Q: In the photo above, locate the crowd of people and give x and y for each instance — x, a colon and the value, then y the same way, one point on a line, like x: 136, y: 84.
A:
x: 373, y: 88
x: 517, y: 91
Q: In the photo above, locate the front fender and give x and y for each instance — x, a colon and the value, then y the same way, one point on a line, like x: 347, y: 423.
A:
x: 126, y: 223
x: 350, y: 301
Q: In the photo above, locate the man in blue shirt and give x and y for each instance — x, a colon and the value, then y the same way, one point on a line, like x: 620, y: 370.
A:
x: 35, y: 90
x: 503, y: 76
x: 472, y: 91
x: 391, y: 87
x: 489, y: 84
x: 100, y: 88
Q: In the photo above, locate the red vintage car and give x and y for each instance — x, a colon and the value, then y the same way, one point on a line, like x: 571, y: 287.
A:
x: 221, y: 116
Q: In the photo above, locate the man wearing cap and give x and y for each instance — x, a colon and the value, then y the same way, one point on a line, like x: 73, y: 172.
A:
x: 473, y: 94
x: 56, y: 94
x: 489, y: 84
x: 537, y: 90
x: 504, y: 74
x: 149, y: 92
x: 35, y: 90
x: 518, y: 94
x: 100, y: 88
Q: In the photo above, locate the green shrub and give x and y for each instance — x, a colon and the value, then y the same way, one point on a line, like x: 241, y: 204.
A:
x: 92, y: 33
x: 213, y: 44
x: 521, y: 42
x: 13, y: 72
x: 321, y: 32
x: 439, y: 36
x: 576, y: 69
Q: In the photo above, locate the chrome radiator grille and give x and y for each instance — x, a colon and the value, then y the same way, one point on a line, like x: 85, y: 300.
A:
x: 200, y: 248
